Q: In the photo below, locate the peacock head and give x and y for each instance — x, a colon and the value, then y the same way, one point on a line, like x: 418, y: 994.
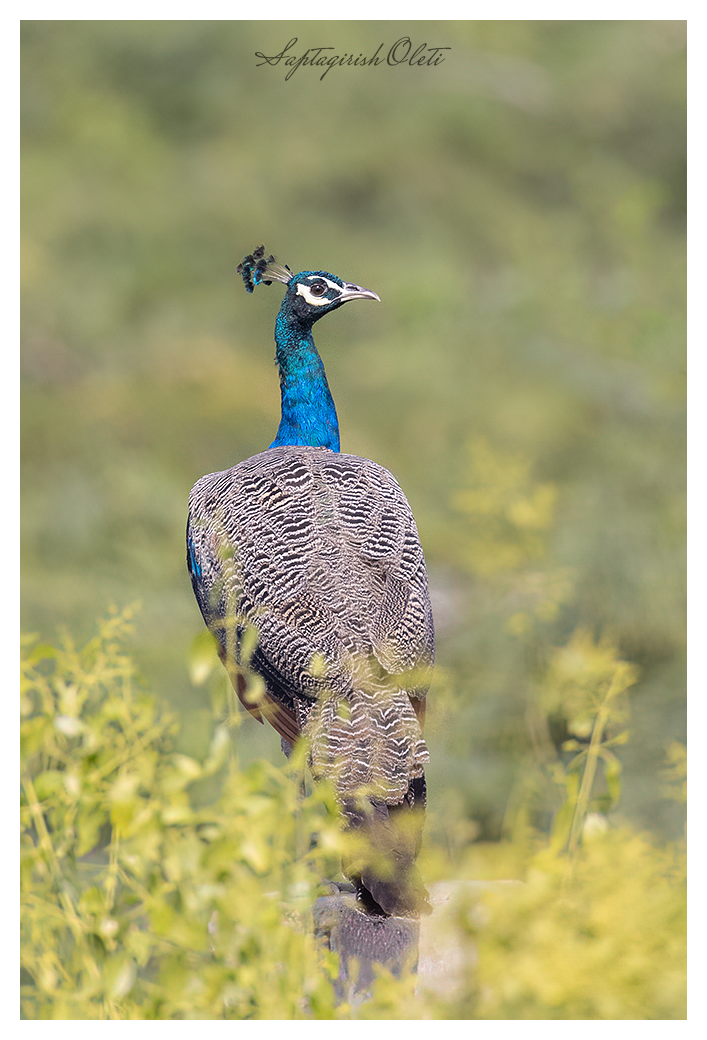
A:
x: 310, y: 294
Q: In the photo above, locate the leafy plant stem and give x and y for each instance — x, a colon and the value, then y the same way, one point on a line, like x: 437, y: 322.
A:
x: 590, y: 768
x: 45, y: 842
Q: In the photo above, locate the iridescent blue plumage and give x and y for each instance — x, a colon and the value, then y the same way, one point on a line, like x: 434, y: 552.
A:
x: 308, y: 411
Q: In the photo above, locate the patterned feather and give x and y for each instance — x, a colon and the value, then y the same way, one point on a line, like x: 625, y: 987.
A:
x: 320, y: 553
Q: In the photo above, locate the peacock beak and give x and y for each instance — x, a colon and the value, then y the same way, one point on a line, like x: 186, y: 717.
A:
x: 355, y: 292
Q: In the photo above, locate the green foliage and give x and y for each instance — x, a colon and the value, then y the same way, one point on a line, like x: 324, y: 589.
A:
x: 506, y: 511
x: 586, y: 681
x: 597, y: 928
x: 605, y: 941
x: 141, y: 899
x: 137, y: 903
x: 675, y: 772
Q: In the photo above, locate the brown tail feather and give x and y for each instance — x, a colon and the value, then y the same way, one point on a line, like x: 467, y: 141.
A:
x: 280, y: 718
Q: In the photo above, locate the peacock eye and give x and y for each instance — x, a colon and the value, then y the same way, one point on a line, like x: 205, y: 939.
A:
x: 318, y: 288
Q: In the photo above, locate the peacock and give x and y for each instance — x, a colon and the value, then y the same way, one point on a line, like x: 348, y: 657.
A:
x: 318, y: 553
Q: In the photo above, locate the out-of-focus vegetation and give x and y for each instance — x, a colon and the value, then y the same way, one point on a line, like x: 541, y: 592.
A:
x: 137, y: 903
x: 602, y: 939
x: 520, y: 210
x: 159, y: 885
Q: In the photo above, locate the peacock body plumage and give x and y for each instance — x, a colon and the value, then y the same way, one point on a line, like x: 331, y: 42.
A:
x: 318, y: 551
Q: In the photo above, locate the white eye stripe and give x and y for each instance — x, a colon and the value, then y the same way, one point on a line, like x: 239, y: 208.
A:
x: 317, y: 301
x: 332, y: 285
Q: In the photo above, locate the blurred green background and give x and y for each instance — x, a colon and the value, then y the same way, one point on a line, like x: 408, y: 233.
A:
x: 520, y: 209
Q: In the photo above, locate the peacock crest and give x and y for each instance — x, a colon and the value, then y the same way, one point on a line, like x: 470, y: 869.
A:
x: 256, y: 269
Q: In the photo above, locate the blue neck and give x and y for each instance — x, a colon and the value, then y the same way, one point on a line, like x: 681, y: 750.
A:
x: 308, y: 411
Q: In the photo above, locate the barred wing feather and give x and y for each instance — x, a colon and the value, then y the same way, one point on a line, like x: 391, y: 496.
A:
x: 320, y: 553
